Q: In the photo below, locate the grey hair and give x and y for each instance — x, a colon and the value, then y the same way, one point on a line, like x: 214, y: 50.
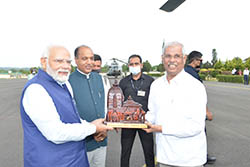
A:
x: 46, y: 53
x: 174, y: 43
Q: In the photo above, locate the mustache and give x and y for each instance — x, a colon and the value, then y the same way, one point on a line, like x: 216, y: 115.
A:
x: 89, y: 66
x: 62, y: 70
x: 172, y: 63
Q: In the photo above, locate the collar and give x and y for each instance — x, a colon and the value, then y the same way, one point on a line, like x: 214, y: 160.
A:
x: 194, y: 69
x: 87, y: 75
x: 49, y: 78
x: 178, y: 79
x: 141, y: 77
x: 60, y: 83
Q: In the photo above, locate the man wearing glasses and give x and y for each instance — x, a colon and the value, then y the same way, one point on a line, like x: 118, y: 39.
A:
x: 54, y: 135
x: 177, y: 111
x: 194, y: 64
x: 137, y: 86
x: 193, y: 68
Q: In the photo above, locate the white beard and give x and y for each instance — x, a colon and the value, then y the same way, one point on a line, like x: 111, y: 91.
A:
x: 55, y: 74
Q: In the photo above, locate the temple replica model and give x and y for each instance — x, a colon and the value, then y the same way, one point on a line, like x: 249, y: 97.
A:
x: 123, y: 114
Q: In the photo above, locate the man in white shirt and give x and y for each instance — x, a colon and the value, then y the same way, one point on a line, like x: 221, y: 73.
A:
x: 177, y: 113
x: 53, y: 131
x: 97, y: 68
x: 246, y: 76
x: 32, y: 73
x: 234, y: 71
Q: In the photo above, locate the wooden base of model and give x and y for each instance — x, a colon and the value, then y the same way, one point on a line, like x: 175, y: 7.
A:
x: 126, y: 125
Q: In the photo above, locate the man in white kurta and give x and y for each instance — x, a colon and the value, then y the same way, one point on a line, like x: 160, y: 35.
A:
x: 177, y: 112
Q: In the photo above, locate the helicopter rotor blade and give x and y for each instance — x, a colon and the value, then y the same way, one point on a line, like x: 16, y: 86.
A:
x: 115, y: 59
x: 171, y: 5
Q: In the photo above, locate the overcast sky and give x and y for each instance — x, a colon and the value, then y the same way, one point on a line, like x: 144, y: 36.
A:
x: 119, y: 28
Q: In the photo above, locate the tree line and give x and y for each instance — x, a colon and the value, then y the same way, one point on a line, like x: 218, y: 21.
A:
x: 215, y: 63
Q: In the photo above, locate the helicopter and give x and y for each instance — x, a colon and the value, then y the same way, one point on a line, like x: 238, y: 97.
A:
x: 114, y: 69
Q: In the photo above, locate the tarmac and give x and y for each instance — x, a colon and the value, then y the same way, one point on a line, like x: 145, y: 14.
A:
x: 228, y: 134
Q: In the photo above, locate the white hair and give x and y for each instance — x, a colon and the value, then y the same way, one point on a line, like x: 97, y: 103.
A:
x: 46, y: 54
x: 54, y: 73
x: 174, y: 43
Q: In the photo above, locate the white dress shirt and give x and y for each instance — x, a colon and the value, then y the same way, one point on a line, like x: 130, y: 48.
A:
x: 180, y: 108
x: 246, y: 72
x: 40, y: 107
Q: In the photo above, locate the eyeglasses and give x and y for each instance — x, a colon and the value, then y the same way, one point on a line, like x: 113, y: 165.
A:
x: 176, y: 56
x: 199, y: 60
x: 132, y: 64
x: 61, y: 61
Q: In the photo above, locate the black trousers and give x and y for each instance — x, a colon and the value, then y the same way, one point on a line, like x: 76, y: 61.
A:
x: 127, y: 141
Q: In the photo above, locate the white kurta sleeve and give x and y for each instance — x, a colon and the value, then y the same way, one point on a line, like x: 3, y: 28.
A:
x: 40, y: 108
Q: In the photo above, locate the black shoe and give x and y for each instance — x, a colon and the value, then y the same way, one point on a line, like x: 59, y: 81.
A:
x: 210, y: 159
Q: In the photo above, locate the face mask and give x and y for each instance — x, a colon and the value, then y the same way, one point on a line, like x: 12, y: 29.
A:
x: 135, y: 70
x: 98, y: 71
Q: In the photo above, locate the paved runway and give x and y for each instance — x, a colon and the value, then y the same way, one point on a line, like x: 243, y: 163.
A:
x: 228, y: 133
